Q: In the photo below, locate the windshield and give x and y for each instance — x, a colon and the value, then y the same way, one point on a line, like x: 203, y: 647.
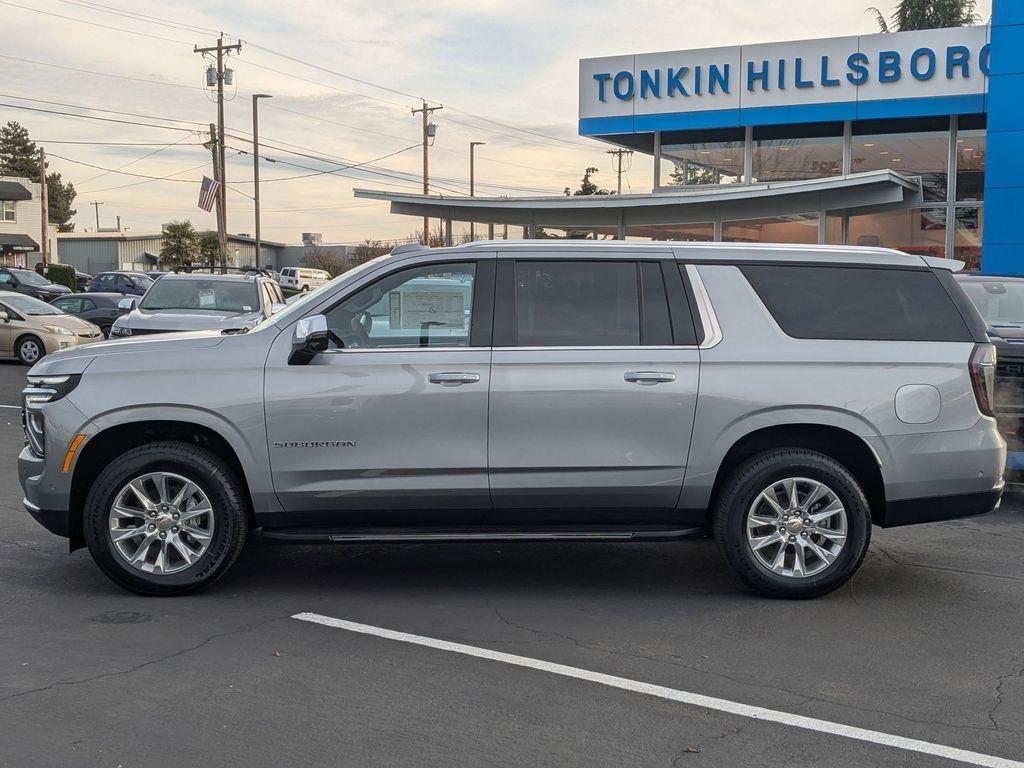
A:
x: 29, y: 277
x: 202, y: 295
x: 1000, y: 303
x: 26, y: 305
x: 143, y: 281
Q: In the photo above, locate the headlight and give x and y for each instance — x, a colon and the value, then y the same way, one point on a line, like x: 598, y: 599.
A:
x: 42, y: 390
x: 58, y: 330
x: 119, y: 330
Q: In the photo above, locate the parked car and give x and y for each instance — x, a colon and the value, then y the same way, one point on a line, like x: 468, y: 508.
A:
x: 784, y: 397
x: 31, y: 328
x: 100, y: 309
x: 197, y: 302
x: 302, y: 279
x: 1001, y: 303
x: 126, y: 283
x: 30, y: 283
x: 82, y: 279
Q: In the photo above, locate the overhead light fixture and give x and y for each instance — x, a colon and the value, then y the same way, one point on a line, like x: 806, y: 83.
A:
x: 897, y: 159
x: 869, y: 145
x: 884, y: 152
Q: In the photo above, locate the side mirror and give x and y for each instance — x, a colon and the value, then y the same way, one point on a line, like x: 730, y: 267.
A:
x: 4, y: 317
x: 127, y: 305
x: 312, y: 337
x: 275, y: 308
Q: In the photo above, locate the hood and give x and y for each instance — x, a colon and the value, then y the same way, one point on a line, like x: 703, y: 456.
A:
x: 170, y: 320
x: 56, y: 290
x: 76, y: 324
x: 1007, y: 331
x: 77, y: 359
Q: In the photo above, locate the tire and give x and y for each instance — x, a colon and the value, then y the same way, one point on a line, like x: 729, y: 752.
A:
x: 304, y: 289
x: 30, y: 350
x: 225, y: 525
x: 740, y: 501
x: 106, y: 330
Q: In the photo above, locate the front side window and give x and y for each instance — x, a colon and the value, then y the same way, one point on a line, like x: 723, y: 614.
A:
x: 426, y: 306
x: 577, y: 303
x: 71, y: 306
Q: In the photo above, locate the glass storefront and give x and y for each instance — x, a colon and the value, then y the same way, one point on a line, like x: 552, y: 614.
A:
x: 791, y: 153
x: 970, y: 166
x: 683, y: 232
x: 920, y: 231
x: 967, y: 236
x: 702, y: 158
x: 795, y: 228
x: 887, y: 145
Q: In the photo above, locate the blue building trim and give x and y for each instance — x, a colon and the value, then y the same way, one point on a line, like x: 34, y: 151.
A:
x: 1003, y: 238
x: 797, y: 113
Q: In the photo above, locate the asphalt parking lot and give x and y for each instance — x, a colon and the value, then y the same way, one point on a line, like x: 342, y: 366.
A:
x: 925, y: 644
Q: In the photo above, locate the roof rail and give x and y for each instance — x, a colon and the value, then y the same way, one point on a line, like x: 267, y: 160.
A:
x: 408, y: 248
x: 215, y: 270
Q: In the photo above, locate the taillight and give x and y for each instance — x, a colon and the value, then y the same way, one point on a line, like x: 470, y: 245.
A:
x: 983, y: 376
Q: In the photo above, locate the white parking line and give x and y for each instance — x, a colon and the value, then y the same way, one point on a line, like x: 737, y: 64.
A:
x: 683, y: 697
x: 11, y: 406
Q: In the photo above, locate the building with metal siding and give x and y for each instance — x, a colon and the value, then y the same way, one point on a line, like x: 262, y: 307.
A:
x: 95, y: 252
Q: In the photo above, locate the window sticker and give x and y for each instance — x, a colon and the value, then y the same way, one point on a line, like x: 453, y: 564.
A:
x: 207, y: 298
x: 415, y: 310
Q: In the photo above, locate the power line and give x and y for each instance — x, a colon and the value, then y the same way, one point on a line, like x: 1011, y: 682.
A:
x: 135, y: 15
x: 92, y: 117
x: 117, y: 143
x: 132, y: 162
x: 322, y: 85
x: 149, y: 180
x: 101, y: 74
x: 94, y: 23
x: 97, y: 109
x: 123, y: 173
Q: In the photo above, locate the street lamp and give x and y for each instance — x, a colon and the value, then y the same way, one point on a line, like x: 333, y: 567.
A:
x: 256, y: 164
x: 472, y: 146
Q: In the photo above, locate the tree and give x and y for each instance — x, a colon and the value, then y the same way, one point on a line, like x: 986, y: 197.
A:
x: 330, y: 260
x: 19, y: 156
x: 588, y: 187
x: 60, y: 197
x: 369, y: 249
x: 181, y: 244
x: 927, y: 14
x: 209, y: 248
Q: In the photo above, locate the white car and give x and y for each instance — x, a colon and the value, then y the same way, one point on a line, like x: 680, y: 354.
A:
x: 303, y: 279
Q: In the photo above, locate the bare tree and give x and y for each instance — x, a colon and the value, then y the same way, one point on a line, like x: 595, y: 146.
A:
x: 328, y: 259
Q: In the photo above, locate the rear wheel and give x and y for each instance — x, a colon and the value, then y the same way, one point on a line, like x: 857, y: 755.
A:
x: 166, y: 518
x: 793, y: 523
x: 30, y: 349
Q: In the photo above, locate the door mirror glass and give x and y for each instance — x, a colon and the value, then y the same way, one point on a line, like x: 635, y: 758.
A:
x: 312, y: 336
x: 4, y: 318
x: 126, y: 305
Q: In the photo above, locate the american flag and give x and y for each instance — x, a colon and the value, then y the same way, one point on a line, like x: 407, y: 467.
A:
x: 208, y: 193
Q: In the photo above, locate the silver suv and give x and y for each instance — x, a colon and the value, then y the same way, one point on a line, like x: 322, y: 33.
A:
x: 784, y: 397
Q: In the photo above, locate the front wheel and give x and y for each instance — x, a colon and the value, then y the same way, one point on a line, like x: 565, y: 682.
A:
x: 793, y: 523
x: 166, y: 518
x: 29, y: 350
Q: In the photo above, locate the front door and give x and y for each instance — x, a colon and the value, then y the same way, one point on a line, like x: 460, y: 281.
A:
x: 391, y: 427
x: 593, y: 388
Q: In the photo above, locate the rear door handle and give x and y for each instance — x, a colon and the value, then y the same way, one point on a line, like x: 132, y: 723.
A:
x: 453, y: 379
x: 649, y: 377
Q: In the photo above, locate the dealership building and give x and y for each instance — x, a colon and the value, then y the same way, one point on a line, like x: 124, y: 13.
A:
x: 910, y: 140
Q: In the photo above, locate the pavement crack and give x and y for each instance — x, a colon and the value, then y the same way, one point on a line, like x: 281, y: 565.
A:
x: 1000, y: 682
x: 142, y: 665
x: 19, y: 545
x: 946, y: 568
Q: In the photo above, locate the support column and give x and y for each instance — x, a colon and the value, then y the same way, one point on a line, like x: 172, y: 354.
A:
x: 1003, y: 239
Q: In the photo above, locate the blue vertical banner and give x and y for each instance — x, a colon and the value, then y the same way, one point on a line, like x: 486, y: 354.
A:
x: 1003, y: 239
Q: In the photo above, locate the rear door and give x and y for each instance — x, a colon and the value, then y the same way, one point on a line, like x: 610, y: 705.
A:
x: 593, y: 386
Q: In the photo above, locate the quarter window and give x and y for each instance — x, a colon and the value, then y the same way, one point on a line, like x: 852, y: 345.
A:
x: 426, y: 306
x: 577, y: 303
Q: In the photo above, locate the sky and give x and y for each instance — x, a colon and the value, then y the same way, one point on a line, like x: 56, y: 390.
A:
x: 344, y: 76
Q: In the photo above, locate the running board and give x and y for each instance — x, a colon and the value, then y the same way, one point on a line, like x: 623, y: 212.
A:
x: 385, y: 535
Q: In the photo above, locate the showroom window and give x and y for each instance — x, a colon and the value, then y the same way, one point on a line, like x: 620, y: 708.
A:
x: 795, y: 153
x: 967, y: 236
x: 794, y: 228
x: 701, y: 233
x: 920, y: 231
x: 700, y: 158
x: 970, y: 160
x: 915, y: 148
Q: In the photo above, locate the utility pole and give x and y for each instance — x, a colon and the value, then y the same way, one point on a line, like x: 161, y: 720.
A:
x: 472, y: 146
x: 44, y: 248
x: 96, y: 204
x: 221, y: 50
x: 256, y: 165
x: 212, y: 146
x: 429, y: 130
x: 619, y: 153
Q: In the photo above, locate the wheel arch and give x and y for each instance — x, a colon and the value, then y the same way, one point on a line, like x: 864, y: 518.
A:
x: 113, y: 440
x: 844, y: 446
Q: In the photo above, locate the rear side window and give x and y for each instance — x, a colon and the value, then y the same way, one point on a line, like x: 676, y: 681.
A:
x: 857, y: 303
x: 577, y: 303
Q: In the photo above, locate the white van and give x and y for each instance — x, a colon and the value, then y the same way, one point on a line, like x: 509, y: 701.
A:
x: 302, y: 279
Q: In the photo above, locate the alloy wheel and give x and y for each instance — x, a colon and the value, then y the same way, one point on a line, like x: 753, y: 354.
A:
x: 161, y: 523
x: 796, y: 527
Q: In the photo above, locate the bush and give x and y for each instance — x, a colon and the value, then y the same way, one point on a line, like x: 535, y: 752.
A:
x: 62, y: 274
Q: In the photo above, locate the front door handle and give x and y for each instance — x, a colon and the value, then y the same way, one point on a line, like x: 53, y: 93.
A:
x: 453, y: 379
x: 649, y: 377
